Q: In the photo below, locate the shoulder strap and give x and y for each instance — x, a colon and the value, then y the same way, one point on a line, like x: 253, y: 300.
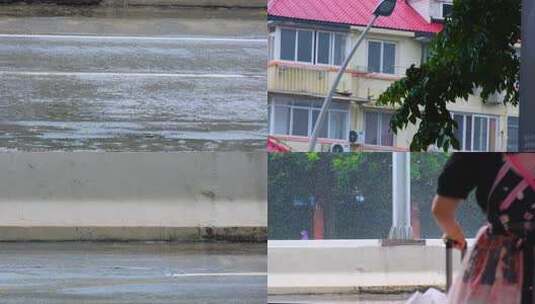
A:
x: 521, y: 169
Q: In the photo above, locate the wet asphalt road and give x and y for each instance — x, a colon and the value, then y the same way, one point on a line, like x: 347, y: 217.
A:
x: 340, y: 299
x: 188, y: 83
x: 98, y: 273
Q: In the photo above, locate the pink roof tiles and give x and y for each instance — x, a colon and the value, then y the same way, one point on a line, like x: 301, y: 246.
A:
x: 352, y: 12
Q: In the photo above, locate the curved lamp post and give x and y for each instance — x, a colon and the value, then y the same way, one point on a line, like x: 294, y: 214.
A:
x: 385, y: 9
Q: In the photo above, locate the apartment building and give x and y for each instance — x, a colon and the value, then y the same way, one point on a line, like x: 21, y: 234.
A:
x: 309, y: 40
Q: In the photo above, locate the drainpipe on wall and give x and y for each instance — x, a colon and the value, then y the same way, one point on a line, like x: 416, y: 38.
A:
x: 526, y: 130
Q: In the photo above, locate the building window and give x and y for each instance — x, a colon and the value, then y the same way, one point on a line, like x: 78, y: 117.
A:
x: 426, y: 52
x: 330, y: 48
x: 476, y: 132
x: 446, y: 9
x: 377, y: 128
x: 287, y: 44
x: 281, y: 117
x: 338, y: 127
x: 300, y: 121
x: 324, y: 48
x: 317, y: 47
x: 512, y: 134
x: 298, y: 118
x: 296, y: 45
x: 305, y: 47
x: 339, y: 49
x: 381, y: 57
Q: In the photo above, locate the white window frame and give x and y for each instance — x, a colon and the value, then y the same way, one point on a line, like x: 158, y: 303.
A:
x: 315, y: 43
x: 379, y: 128
x: 509, y: 132
x: 272, y: 40
x: 310, y: 109
x: 348, y: 122
x: 347, y: 46
x: 272, y: 117
x: 279, y: 42
x: 382, y: 42
x: 486, y: 149
x: 332, y: 47
x: 296, y: 47
x: 488, y: 118
x: 462, y: 142
x: 297, y: 31
x: 292, y: 107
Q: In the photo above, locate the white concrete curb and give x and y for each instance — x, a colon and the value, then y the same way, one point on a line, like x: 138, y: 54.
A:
x: 334, y: 266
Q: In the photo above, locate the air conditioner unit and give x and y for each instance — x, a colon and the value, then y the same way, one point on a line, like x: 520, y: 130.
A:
x: 356, y: 137
x: 433, y: 148
x: 496, y: 98
x: 340, y: 148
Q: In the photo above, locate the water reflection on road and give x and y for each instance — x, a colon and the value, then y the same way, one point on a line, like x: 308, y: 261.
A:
x: 128, y: 89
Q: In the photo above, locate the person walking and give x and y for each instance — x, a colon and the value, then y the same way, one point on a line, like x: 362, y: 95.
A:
x: 500, y: 266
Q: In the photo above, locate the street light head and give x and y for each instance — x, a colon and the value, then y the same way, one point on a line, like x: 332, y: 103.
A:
x: 385, y: 8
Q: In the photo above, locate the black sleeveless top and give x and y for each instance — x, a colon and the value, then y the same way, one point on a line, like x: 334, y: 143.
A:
x: 504, y: 194
x: 466, y: 171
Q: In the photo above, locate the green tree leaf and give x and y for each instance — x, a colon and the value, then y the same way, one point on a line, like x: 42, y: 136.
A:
x: 476, y: 49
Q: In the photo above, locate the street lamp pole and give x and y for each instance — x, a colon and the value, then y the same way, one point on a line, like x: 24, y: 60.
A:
x: 526, y: 130
x: 384, y: 8
x: 401, y: 196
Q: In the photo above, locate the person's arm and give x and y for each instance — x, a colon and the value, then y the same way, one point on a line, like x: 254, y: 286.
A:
x: 443, y: 210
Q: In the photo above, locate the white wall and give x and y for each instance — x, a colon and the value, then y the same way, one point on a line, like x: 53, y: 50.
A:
x: 423, y: 7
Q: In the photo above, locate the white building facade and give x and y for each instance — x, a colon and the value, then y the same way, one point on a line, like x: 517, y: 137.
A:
x: 304, y: 59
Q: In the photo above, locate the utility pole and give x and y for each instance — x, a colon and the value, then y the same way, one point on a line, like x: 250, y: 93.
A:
x: 401, y: 197
x: 385, y: 9
x: 526, y: 130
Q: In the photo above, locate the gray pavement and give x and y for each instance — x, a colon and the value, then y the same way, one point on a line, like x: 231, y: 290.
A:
x: 97, y: 273
x: 192, y: 82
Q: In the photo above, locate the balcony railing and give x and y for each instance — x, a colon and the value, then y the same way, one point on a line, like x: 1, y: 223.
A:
x: 356, y: 84
x: 305, y: 78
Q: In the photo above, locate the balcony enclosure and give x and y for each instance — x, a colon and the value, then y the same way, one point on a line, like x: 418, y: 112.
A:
x: 305, y: 59
x: 357, y: 85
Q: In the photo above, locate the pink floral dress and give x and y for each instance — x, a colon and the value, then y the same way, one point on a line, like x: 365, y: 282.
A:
x: 500, y: 267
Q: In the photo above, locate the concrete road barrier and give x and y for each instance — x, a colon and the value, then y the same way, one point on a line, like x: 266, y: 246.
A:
x: 133, y: 196
x: 347, y: 266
